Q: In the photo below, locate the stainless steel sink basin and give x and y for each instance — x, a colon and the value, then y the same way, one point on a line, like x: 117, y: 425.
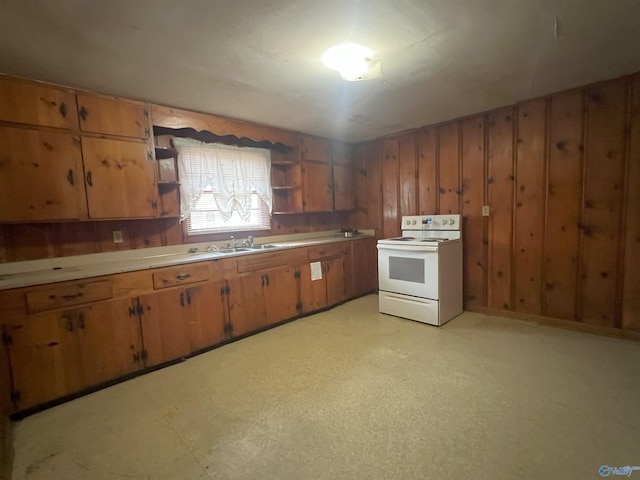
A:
x: 233, y: 250
x: 262, y: 247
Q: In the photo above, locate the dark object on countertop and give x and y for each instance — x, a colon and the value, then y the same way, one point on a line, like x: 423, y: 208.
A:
x: 348, y: 232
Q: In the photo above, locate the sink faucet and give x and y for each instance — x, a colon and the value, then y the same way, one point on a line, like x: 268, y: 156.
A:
x: 233, y: 240
x: 212, y: 248
x: 248, y: 242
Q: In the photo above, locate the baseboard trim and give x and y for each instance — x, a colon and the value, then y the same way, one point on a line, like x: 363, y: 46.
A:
x: 556, y: 322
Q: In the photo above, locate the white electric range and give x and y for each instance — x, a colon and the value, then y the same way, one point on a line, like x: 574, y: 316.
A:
x: 420, y: 273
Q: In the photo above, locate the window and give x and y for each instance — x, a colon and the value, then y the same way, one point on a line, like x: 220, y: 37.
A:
x: 223, y: 188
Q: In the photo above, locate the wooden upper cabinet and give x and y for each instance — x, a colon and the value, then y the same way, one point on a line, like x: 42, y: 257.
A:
x: 317, y: 187
x: 315, y: 149
x: 120, y: 179
x: 40, y: 176
x: 341, y: 153
x: 343, y: 187
x: 35, y: 104
x: 113, y: 116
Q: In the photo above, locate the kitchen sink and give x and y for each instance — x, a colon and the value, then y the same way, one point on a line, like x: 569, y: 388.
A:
x: 233, y: 250
x: 262, y: 247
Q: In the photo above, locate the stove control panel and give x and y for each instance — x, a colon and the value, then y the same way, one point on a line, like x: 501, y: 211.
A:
x: 431, y: 222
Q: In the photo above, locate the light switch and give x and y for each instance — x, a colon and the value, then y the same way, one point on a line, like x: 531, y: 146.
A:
x: 485, y: 210
x: 117, y: 236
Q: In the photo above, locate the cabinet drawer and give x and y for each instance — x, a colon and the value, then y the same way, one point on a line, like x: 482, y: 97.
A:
x: 251, y: 263
x: 68, y: 295
x: 180, y: 275
x: 113, y: 116
x: 23, y: 102
x: 326, y: 251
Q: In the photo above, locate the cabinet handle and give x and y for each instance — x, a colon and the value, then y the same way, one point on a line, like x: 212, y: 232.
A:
x: 183, y: 277
x: 262, y: 278
x: 69, y: 325
x: 83, y: 113
x: 188, y: 298
x: 63, y: 110
x: 267, y: 275
x: 182, y: 299
x: 70, y: 177
x: 81, y: 321
x: 71, y: 297
x: 89, y: 179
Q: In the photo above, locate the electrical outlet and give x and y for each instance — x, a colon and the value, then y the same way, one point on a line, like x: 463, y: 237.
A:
x: 117, y: 236
x: 485, y: 210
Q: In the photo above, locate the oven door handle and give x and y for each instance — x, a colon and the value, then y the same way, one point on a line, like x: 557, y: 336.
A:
x: 407, y: 248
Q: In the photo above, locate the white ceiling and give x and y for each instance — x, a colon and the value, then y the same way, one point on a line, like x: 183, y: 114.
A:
x: 259, y: 60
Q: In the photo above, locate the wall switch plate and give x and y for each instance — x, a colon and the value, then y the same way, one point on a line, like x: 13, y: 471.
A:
x: 117, y: 236
x: 485, y: 210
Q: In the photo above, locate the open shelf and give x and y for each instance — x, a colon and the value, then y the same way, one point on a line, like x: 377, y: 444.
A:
x: 163, y: 153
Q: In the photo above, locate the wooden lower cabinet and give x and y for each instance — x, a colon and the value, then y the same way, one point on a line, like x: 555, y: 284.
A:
x: 54, y: 354
x: 329, y: 290
x: 363, y: 266
x: 205, y: 313
x: 262, y: 298
x: 178, y: 322
x: 69, y: 348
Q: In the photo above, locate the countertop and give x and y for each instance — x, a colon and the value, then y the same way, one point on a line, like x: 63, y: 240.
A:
x: 51, y: 270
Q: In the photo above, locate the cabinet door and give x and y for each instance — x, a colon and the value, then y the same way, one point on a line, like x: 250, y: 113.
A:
x: 247, y: 303
x: 40, y: 176
x: 23, y: 102
x: 45, y: 357
x: 334, y: 274
x: 313, y: 293
x: 120, y: 179
x: 282, y: 294
x: 343, y: 187
x: 113, y: 116
x: 341, y: 153
x: 205, y: 315
x: 365, y: 266
x: 165, y: 335
x: 110, y: 341
x: 317, y: 192
x: 315, y: 148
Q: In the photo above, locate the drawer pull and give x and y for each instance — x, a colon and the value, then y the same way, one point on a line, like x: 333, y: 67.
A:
x: 71, y: 297
x: 182, y: 277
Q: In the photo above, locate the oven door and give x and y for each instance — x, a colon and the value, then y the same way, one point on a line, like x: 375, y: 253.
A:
x: 408, y: 270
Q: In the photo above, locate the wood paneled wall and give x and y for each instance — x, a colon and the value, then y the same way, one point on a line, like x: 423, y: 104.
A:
x: 561, y: 175
x: 31, y: 241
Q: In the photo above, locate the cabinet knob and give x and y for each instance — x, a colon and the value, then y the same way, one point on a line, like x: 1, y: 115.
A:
x: 83, y: 112
x: 89, y: 179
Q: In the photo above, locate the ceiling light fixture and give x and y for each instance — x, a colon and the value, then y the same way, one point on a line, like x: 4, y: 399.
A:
x: 352, y: 61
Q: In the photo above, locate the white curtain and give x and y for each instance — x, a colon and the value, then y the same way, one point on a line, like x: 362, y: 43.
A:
x: 232, y: 172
